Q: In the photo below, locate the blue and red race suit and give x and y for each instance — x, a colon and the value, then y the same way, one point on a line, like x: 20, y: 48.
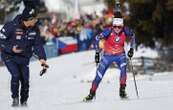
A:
x: 113, y: 51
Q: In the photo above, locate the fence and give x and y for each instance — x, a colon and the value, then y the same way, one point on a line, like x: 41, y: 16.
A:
x: 144, y: 65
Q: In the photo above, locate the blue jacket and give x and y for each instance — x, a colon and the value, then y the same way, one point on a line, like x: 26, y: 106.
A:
x: 28, y: 39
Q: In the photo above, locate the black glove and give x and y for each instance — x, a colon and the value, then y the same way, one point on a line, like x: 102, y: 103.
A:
x: 97, y: 57
x: 45, y: 67
x: 130, y: 53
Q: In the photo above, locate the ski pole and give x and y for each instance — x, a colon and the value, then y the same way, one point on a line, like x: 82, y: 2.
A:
x: 137, y: 94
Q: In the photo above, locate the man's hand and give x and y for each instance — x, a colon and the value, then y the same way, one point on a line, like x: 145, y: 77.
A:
x: 16, y: 49
x: 42, y: 61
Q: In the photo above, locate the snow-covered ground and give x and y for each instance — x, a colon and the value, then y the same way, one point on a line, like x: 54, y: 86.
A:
x: 68, y: 81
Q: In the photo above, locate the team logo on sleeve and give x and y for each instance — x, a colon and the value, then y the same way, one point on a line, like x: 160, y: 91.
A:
x: 3, y: 30
x: 2, y: 36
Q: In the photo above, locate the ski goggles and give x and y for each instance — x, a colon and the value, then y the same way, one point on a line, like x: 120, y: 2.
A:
x: 119, y: 27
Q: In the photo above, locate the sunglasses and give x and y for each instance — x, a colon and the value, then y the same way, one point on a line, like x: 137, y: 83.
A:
x: 119, y: 27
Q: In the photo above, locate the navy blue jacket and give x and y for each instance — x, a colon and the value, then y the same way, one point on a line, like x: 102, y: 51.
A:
x: 28, y: 39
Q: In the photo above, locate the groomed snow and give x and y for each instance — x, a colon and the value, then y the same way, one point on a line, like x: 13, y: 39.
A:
x: 69, y: 78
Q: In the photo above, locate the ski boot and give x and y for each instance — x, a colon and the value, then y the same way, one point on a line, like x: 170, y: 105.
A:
x: 23, y: 103
x: 89, y: 97
x: 122, y: 92
x: 15, y: 102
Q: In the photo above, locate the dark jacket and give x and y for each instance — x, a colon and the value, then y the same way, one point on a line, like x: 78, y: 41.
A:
x: 28, y: 39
